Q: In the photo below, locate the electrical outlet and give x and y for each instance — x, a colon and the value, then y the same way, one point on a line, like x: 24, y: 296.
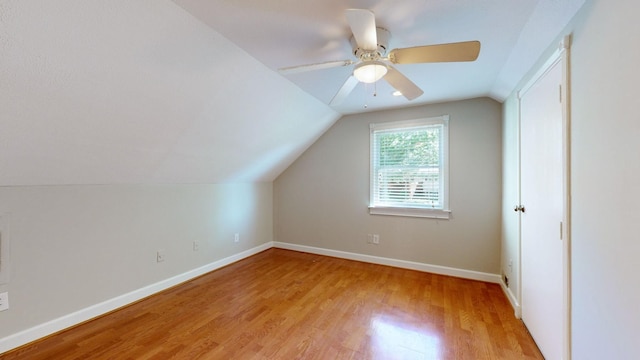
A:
x: 196, y: 246
x: 236, y: 237
x: 160, y: 256
x: 4, y: 301
x: 376, y: 239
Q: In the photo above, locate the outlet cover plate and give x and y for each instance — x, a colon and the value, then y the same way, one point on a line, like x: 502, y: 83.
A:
x: 376, y: 239
x: 4, y: 301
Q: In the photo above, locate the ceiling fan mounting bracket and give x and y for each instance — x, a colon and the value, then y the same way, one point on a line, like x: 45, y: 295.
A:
x: 383, y: 36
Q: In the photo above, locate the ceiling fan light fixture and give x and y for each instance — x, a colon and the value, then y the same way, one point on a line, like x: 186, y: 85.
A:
x: 370, y: 71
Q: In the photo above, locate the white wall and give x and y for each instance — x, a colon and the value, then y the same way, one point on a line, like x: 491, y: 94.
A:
x: 321, y: 199
x: 605, y: 180
x: 75, y: 246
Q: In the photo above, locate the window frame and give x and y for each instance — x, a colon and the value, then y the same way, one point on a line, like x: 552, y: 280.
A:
x: 412, y: 211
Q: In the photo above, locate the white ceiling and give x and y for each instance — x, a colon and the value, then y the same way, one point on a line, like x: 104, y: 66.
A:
x: 281, y: 33
x: 119, y: 91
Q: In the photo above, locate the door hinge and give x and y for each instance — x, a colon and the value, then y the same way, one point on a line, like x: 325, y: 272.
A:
x: 561, y: 230
x: 560, y: 92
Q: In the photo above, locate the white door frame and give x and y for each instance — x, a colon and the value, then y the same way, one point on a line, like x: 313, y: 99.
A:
x: 561, y: 55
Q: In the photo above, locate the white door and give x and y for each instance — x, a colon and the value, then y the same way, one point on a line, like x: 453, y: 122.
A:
x: 541, y: 220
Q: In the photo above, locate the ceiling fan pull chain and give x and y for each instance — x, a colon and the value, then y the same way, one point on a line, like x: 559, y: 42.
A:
x: 364, y: 94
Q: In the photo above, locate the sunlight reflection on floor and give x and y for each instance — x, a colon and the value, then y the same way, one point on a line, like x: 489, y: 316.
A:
x: 393, y: 338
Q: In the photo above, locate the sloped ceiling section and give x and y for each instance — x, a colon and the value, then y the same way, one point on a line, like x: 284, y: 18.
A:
x: 544, y: 24
x: 110, y: 92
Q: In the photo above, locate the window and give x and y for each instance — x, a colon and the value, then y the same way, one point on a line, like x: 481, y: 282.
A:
x: 409, y: 168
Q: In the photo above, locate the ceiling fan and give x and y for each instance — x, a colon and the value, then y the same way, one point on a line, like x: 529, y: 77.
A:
x: 370, y: 44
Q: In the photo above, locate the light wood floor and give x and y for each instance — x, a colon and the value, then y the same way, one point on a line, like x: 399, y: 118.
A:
x: 282, y: 304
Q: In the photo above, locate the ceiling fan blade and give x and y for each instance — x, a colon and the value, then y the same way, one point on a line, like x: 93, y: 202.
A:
x: 344, y: 91
x: 402, y: 84
x: 363, y: 27
x: 452, y: 52
x: 318, y: 66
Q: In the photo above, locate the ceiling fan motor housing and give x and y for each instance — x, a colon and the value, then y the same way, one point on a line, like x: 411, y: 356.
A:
x: 383, y: 36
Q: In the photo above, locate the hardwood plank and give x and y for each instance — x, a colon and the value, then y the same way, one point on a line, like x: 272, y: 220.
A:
x: 282, y: 304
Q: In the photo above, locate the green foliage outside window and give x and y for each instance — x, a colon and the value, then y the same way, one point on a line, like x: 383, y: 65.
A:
x: 414, y: 148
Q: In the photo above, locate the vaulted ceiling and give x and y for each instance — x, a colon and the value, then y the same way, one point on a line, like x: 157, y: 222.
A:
x: 155, y: 91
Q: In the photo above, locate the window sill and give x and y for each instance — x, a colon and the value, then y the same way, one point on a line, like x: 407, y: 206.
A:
x: 411, y: 212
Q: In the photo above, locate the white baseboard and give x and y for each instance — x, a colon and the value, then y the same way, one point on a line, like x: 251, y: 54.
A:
x: 435, y: 269
x: 24, y: 337
x: 512, y: 299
